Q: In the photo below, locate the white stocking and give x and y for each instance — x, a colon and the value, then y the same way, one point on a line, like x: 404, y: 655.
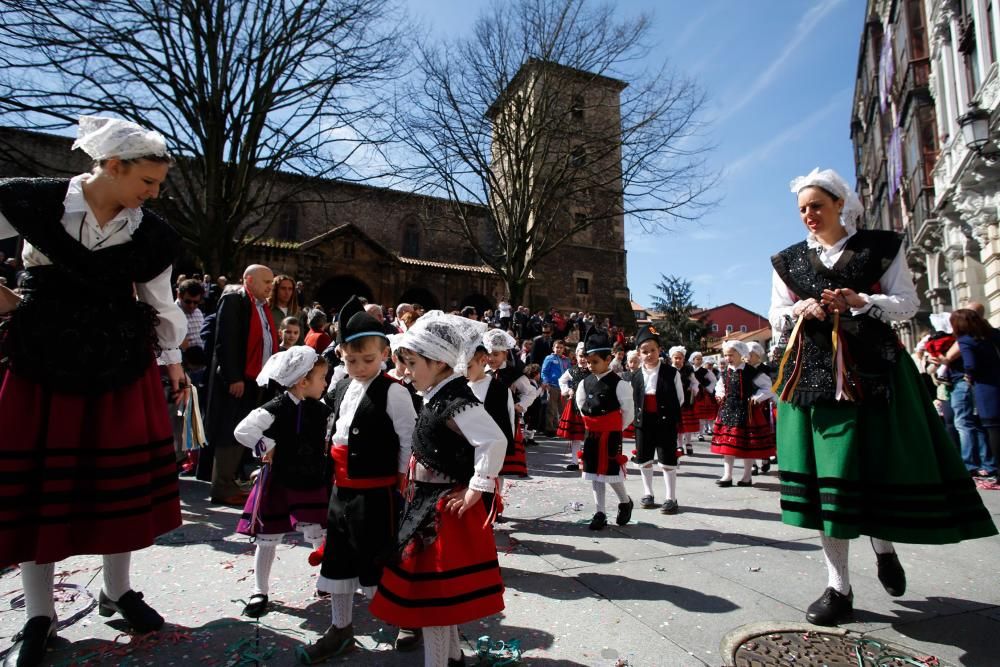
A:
x: 835, y: 551
x: 882, y: 546
x: 619, y: 489
x: 456, y: 644
x: 747, y: 470
x: 437, y: 645
x: 313, y: 533
x: 342, y: 606
x: 670, y: 481
x: 37, y: 581
x: 647, y: 479
x: 727, y: 468
x: 369, y: 592
x: 575, y: 446
x: 116, y: 574
x: 599, y: 493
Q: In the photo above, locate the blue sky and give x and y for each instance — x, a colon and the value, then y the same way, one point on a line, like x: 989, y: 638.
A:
x: 780, y: 78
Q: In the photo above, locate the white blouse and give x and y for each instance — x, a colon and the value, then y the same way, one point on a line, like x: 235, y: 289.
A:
x: 897, y: 302
x: 80, y: 222
x: 651, y: 376
x: 762, y: 382
x: 398, y: 406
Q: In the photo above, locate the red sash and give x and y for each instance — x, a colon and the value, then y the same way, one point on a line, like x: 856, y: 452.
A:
x: 340, y: 477
x: 602, y: 427
x: 649, y: 403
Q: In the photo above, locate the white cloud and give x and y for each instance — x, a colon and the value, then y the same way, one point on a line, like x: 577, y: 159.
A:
x: 794, y: 46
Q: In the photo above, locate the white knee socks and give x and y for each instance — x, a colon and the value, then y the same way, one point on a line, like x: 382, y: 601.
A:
x: 116, y: 574
x: 37, y: 581
x: 599, y: 494
x: 314, y: 533
x: 835, y: 552
x: 440, y: 645
x: 263, y: 559
x: 342, y: 606
x: 747, y: 470
x: 575, y: 447
x: 728, y: 463
x: 647, y: 479
x: 619, y: 489
x: 669, y: 481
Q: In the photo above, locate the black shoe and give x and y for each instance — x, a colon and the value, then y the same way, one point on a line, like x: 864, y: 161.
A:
x: 724, y: 483
x: 457, y: 663
x: 139, y: 615
x: 573, y: 466
x: 749, y: 482
x: 333, y: 642
x: 408, y: 639
x: 31, y: 643
x: 765, y: 467
x: 624, y: 512
x: 668, y: 507
x: 257, y: 606
x: 690, y: 450
x: 598, y: 522
x: 891, y: 574
x: 647, y: 502
x: 831, y: 608
x: 754, y: 470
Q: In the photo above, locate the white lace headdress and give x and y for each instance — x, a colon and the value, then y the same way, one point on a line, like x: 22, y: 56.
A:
x: 288, y: 366
x: 451, y: 339
x: 832, y: 182
x: 496, y: 340
x: 694, y: 355
x: 737, y: 345
x: 103, y: 138
x: 675, y: 349
x: 754, y: 346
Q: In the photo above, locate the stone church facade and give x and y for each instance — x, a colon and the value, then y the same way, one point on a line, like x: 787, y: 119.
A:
x: 387, y: 245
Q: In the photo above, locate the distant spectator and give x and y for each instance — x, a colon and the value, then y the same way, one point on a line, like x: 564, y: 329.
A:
x: 317, y: 338
x: 190, y: 294
x: 284, y: 304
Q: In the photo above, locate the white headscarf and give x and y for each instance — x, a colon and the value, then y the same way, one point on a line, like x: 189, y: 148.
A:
x: 675, y: 349
x: 581, y: 348
x: 737, y: 345
x: 289, y: 366
x: 831, y: 181
x: 450, y: 339
x: 754, y: 346
x: 695, y: 355
x: 103, y: 138
x: 497, y: 340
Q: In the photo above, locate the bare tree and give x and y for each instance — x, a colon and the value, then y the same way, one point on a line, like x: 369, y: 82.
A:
x: 531, y: 117
x: 241, y: 90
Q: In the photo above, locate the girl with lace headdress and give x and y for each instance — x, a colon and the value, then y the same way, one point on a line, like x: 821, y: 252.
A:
x: 447, y: 571
x: 88, y: 463
x: 862, y: 450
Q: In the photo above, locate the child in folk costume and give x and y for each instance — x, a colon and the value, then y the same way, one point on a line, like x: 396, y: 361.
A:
x: 371, y: 433
x: 658, y: 395
x: 571, y: 421
x: 533, y: 417
x: 447, y: 573
x: 605, y: 401
x: 705, y: 408
x: 688, y: 425
x: 741, y: 430
x: 499, y: 404
x: 756, y: 357
x: 292, y: 490
x: 397, y: 371
x: 498, y: 344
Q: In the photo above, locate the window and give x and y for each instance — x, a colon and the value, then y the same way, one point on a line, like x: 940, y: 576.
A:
x: 288, y: 223
x: 918, y: 29
x: 729, y: 329
x: 991, y: 40
x: 743, y: 328
x: 582, y: 286
x: 715, y: 328
x: 411, y: 240
x: 576, y: 110
x: 578, y: 157
x: 968, y: 48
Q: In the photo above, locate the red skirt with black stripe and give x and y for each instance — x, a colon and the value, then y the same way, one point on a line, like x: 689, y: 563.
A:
x: 453, y: 580
x: 705, y: 406
x: 516, y: 462
x: 689, y: 421
x: 571, y: 422
x: 753, y: 440
x: 84, y: 474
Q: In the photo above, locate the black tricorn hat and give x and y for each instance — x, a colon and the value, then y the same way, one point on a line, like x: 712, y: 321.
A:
x: 355, y: 323
x: 598, y: 341
x: 647, y: 333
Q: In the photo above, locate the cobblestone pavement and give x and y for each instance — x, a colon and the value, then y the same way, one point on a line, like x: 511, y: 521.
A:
x: 663, y: 590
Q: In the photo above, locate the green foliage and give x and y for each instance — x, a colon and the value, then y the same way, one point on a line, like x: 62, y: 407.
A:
x: 672, y: 312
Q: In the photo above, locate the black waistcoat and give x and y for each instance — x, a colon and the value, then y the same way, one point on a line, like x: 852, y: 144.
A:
x: 576, y: 376
x: 435, y: 444
x: 300, y: 459
x: 871, y: 346
x: 686, y: 371
x: 79, y: 327
x: 509, y: 374
x: 496, y: 405
x: 668, y: 409
x: 739, y: 387
x: 702, y: 375
x: 372, y: 442
x: 600, y: 397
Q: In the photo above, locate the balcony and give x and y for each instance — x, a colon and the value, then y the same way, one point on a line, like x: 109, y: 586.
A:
x: 915, y: 84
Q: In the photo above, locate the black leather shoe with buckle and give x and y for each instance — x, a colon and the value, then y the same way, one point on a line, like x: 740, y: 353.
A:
x: 31, y: 643
x: 139, y: 615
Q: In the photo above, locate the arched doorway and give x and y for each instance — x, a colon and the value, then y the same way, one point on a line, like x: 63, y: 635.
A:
x: 480, y: 302
x: 335, y: 292
x: 420, y: 295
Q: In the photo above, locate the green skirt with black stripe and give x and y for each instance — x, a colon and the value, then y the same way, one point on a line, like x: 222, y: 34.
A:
x: 890, y: 472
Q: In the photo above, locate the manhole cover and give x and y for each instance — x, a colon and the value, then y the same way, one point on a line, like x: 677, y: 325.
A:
x: 816, y: 649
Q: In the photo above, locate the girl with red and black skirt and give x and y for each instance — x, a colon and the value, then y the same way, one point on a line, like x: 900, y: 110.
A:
x: 571, y: 422
x: 87, y: 462
x: 705, y: 408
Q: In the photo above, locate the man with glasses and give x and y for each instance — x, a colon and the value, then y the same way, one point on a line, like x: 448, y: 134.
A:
x: 189, y: 297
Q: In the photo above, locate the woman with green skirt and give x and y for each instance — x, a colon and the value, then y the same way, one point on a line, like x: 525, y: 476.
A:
x: 862, y: 450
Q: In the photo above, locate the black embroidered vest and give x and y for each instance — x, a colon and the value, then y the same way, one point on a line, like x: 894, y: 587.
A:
x: 702, y: 375
x: 686, y: 371
x: 668, y: 410
x: 436, y: 445
x: 496, y: 405
x: 600, y: 397
x: 301, y: 460
x: 372, y: 441
x: 79, y: 327
x: 576, y: 376
x: 739, y: 386
x: 871, y: 348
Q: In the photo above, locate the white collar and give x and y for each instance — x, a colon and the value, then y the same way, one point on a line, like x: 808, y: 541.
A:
x: 429, y: 393
x: 295, y: 399
x: 75, y: 202
x: 650, y: 371
x: 814, y: 243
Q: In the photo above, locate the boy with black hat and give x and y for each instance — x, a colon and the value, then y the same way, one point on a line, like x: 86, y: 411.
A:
x: 371, y: 437
x: 658, y: 395
x: 608, y: 408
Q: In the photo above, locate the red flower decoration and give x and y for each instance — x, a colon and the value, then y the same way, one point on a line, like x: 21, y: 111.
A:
x: 635, y: 453
x: 579, y: 454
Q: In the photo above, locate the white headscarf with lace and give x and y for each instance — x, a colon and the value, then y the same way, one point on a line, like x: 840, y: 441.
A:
x: 831, y: 181
x: 451, y: 339
x: 288, y: 366
x: 103, y: 138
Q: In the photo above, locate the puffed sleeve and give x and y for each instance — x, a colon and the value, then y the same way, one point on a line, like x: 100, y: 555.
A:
x: 782, y: 303
x: 564, y: 383
x: 527, y: 392
x: 399, y: 407
x: 763, y: 384
x: 623, y: 390
x: 898, y: 300
x: 490, y: 445
x: 172, y: 327
x: 250, y: 431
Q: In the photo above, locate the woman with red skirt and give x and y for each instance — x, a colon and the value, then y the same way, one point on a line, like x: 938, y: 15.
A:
x: 87, y: 462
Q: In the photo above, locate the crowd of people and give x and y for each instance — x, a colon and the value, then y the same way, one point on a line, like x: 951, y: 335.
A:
x: 384, y: 434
